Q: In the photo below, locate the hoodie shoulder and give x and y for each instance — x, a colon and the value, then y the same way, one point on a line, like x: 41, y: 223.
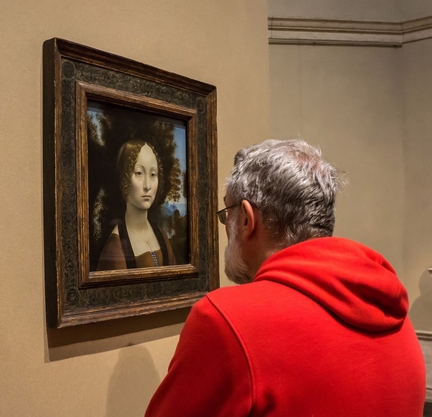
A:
x: 354, y: 282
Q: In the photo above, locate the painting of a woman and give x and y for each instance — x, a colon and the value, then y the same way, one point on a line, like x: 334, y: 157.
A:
x: 136, y: 241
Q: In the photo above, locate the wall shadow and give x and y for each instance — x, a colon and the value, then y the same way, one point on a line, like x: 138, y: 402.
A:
x: 132, y: 383
x: 114, y: 334
x: 420, y: 312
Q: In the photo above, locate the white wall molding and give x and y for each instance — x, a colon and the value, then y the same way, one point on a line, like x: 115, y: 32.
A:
x: 347, y: 32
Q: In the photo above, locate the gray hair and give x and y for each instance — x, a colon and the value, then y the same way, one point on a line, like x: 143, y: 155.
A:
x: 292, y: 186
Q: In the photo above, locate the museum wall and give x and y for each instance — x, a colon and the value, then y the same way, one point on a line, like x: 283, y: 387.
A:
x: 347, y: 100
x: 414, y: 9
x: 417, y: 234
x: 379, y: 10
x: 112, y: 368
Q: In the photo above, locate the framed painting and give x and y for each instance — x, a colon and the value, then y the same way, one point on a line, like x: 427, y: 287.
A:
x: 130, y: 187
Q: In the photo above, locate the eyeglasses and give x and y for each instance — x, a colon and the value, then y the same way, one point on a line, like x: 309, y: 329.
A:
x: 222, y: 214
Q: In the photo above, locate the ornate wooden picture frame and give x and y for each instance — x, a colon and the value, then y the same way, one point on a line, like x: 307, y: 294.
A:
x: 100, y: 112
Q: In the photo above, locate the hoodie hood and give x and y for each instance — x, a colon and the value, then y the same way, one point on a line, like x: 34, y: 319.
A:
x: 351, y: 280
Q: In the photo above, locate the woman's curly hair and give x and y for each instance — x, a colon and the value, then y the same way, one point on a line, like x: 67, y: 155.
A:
x: 126, y: 161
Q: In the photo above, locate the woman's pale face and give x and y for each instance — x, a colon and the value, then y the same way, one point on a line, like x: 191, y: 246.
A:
x: 144, y: 180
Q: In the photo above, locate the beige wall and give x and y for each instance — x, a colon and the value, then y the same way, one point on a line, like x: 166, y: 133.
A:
x: 381, y: 10
x: 109, y: 369
x: 417, y: 242
x: 414, y: 9
x: 347, y: 100
x: 376, y: 10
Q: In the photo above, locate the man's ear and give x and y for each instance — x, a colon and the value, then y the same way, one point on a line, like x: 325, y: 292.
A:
x: 249, y: 219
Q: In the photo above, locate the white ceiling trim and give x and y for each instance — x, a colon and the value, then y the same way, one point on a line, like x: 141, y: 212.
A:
x: 346, y: 32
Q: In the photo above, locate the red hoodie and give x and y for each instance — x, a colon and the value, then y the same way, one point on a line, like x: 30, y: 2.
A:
x: 321, y: 332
